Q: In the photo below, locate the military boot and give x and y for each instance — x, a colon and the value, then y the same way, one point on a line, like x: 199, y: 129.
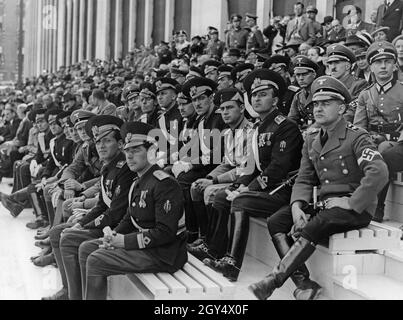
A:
x: 306, y: 288
x: 13, y: 207
x: 201, y: 252
x: 297, y: 255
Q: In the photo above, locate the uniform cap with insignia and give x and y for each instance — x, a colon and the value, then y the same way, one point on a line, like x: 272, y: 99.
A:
x: 81, y: 116
x: 241, y: 71
x: 250, y: 16
x: 339, y: 52
x: 224, y: 71
x: 183, y: 99
x: 99, y: 127
x: 209, y: 66
x: 212, y: 30
x: 380, y: 29
x: 198, y: 86
x: 311, y: 9
x: 64, y: 118
x: 234, y: 52
x: 130, y: 91
x: 224, y: 97
x: 136, y: 134
x: 293, y: 43
x: 277, y: 61
x: 263, y: 79
x: 162, y: 84
x: 361, y: 52
x: 355, y: 40
x: 236, y: 17
x: 381, y: 50
x: 303, y: 62
x: 326, y: 87
x: 148, y: 90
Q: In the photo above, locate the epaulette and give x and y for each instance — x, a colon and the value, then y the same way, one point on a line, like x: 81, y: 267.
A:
x: 352, y: 127
x: 279, y: 119
x: 313, y: 131
x: 293, y: 88
x: 161, y: 175
x: 120, y: 164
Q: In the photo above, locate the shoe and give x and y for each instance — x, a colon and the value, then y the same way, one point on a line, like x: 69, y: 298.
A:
x: 401, y: 228
x: 225, y: 265
x: 196, y: 243
x: 42, y: 230
x: 43, y: 243
x: 297, y: 255
x: 60, y: 295
x: 14, y: 208
x: 45, y: 251
x: 201, y: 252
x: 44, y: 261
x: 42, y: 236
x: 379, y: 213
x: 36, y: 224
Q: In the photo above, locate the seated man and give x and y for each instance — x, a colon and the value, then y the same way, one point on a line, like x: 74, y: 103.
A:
x: 111, y: 206
x: 234, y: 165
x: 150, y: 238
x: 276, y: 145
x: 343, y: 161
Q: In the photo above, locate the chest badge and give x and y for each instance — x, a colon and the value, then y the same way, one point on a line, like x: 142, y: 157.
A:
x: 142, y: 202
x: 283, y: 145
x: 264, y: 139
x: 167, y: 206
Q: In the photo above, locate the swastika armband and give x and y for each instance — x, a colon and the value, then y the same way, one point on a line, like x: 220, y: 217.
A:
x: 369, y: 155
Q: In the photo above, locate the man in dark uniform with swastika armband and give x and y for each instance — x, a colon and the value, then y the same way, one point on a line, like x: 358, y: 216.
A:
x: 116, y: 179
x: 380, y: 111
x: 276, y: 147
x: 342, y: 160
x: 151, y: 237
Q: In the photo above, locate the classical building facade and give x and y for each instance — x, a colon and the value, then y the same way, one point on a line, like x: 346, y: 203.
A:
x: 63, y: 32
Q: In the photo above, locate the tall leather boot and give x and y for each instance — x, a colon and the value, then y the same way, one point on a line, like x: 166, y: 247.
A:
x: 218, y: 242
x: 190, y: 217
x: 230, y: 265
x: 50, y: 211
x: 201, y: 214
x: 297, y: 255
x: 97, y: 288
x: 380, y: 209
x: 306, y: 288
x: 73, y: 275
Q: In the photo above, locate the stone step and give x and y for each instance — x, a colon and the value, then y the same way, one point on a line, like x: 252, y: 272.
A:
x: 394, y: 264
x: 394, y: 202
x: 367, y: 287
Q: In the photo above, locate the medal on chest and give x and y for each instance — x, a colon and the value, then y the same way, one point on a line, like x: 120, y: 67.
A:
x: 264, y: 139
x: 142, y: 202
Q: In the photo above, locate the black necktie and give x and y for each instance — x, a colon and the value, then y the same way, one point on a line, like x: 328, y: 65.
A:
x: 323, y: 137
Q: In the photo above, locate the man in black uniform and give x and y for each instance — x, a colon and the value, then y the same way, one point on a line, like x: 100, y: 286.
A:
x: 255, y: 37
x: 151, y: 237
x: 112, y: 203
x: 208, y: 140
x: 149, y: 104
x: 169, y: 121
x: 343, y: 161
x: 276, y: 146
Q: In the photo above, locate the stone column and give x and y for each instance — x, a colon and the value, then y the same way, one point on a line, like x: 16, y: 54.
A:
x: 81, y: 35
x: 132, y: 24
x: 61, y: 33
x: 103, y: 30
x: 203, y: 15
x: 119, y: 30
x: 74, y: 40
x: 264, y: 11
x: 148, y: 23
x: 54, y: 36
x: 90, y: 29
x: 169, y: 19
x: 69, y: 31
x: 40, y: 37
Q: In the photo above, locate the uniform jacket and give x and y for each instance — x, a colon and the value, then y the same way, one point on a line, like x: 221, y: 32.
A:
x: 348, y: 165
x: 237, y: 38
x: 152, y: 221
x: 277, y: 147
x: 43, y: 151
x: 391, y: 17
x: 152, y: 118
x: 86, y: 164
x: 215, y: 48
x: 255, y: 39
x: 378, y: 108
x: 354, y: 86
x: 22, y: 134
x: 286, y: 101
x: 237, y: 144
x: 108, y: 109
x: 61, y: 151
x: 10, y: 129
x: 300, y: 111
x: 170, y: 123
x: 112, y: 201
x: 305, y: 30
